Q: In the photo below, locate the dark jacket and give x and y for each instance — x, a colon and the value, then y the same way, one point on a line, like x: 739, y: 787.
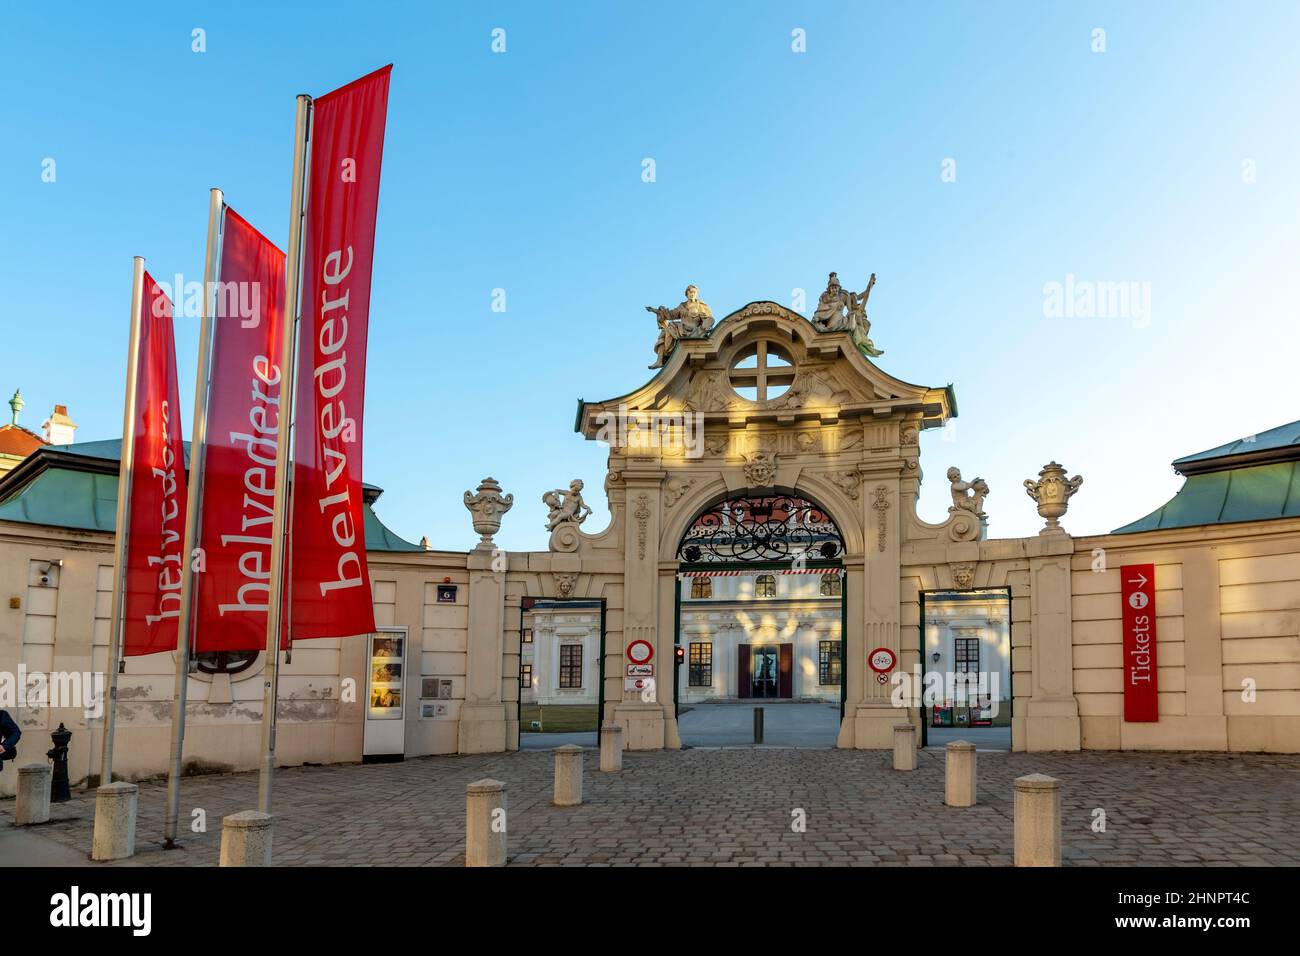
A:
x: 9, y: 734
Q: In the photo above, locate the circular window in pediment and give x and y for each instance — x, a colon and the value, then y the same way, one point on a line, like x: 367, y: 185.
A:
x: 762, y: 371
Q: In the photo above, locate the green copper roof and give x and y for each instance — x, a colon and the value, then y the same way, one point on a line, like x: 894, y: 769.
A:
x: 65, y: 499
x: 1281, y: 443
x: 380, y: 538
x: 1252, y: 479
x: 75, y: 486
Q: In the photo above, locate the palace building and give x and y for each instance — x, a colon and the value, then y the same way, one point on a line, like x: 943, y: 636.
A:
x: 762, y: 487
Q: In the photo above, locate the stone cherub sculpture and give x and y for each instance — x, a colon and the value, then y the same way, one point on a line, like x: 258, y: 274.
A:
x: 967, y: 496
x: 692, y: 319
x: 565, y: 506
x: 841, y: 310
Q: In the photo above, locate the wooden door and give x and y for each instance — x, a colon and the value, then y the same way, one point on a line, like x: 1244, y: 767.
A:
x: 744, y: 679
x: 786, y: 674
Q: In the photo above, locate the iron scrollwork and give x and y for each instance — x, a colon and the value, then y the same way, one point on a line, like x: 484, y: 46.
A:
x: 766, y: 528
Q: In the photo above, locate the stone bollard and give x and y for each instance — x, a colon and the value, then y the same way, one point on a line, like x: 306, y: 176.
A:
x: 959, y: 778
x: 1038, y: 821
x: 246, y: 839
x: 33, y: 799
x: 115, y: 806
x: 611, y: 748
x: 485, y: 823
x: 568, y: 776
x: 904, y: 746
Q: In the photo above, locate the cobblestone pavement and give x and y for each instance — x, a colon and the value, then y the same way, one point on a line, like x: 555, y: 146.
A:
x: 734, y: 807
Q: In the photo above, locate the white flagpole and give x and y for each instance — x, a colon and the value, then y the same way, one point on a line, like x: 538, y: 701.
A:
x: 193, y: 508
x: 123, y: 518
x: 279, y: 519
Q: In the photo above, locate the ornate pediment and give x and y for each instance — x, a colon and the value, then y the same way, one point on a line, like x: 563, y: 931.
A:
x: 764, y: 362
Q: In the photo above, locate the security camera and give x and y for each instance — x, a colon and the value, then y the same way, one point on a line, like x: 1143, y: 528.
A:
x: 50, y: 566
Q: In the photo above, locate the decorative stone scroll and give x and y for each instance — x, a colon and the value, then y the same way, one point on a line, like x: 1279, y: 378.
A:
x: 674, y: 488
x: 881, y: 506
x: 848, y: 482
x: 642, y: 518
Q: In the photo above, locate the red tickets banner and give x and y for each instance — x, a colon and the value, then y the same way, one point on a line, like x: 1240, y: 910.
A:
x: 1138, y: 594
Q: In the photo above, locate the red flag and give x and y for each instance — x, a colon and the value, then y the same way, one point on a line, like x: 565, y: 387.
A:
x: 158, y: 488
x: 330, y: 592
x: 245, y: 399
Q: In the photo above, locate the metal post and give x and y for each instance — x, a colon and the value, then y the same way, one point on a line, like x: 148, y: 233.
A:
x: 123, y: 518
x: 60, y: 792
x: 274, y: 599
x: 758, y: 725
x: 193, y: 508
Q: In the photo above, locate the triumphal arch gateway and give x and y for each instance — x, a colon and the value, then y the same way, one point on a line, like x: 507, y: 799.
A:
x: 762, y: 488
x: 772, y: 440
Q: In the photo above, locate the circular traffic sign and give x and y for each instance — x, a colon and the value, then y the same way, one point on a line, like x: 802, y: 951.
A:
x: 640, y: 652
x: 881, y: 660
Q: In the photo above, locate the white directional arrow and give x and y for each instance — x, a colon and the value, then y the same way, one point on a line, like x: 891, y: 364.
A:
x: 1141, y: 580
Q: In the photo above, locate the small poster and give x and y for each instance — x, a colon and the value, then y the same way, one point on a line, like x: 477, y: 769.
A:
x: 386, y: 664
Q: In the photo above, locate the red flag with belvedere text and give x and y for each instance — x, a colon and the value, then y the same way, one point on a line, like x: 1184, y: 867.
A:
x: 245, y: 400
x: 156, y: 526
x: 330, y: 582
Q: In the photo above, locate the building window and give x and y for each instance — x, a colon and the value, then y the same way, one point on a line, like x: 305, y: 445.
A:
x: 765, y: 586
x: 828, y: 662
x: 701, y: 587
x: 701, y: 664
x: 527, y: 635
x: 570, y: 665
x: 526, y: 675
x: 966, y: 655
x: 832, y: 585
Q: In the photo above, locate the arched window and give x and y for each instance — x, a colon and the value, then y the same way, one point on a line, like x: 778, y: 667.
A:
x: 765, y: 586
x: 701, y: 588
x: 832, y: 586
x: 755, y: 528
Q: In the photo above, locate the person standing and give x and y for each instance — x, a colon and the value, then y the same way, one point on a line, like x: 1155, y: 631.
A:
x: 9, y: 734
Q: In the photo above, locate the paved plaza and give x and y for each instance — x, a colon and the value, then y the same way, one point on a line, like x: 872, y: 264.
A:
x: 729, y: 807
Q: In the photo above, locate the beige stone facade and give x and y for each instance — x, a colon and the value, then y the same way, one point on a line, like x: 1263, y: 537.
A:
x: 708, y: 427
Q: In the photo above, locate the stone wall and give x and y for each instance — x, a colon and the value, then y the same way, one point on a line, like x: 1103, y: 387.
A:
x: 1227, y: 612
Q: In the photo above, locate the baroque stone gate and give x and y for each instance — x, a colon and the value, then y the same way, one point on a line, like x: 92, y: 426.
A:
x: 768, y: 402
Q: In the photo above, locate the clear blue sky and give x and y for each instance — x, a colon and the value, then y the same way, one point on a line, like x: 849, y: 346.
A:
x: 522, y: 171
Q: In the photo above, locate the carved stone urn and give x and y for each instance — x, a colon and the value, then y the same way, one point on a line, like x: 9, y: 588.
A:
x: 487, y: 506
x: 1052, y: 491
